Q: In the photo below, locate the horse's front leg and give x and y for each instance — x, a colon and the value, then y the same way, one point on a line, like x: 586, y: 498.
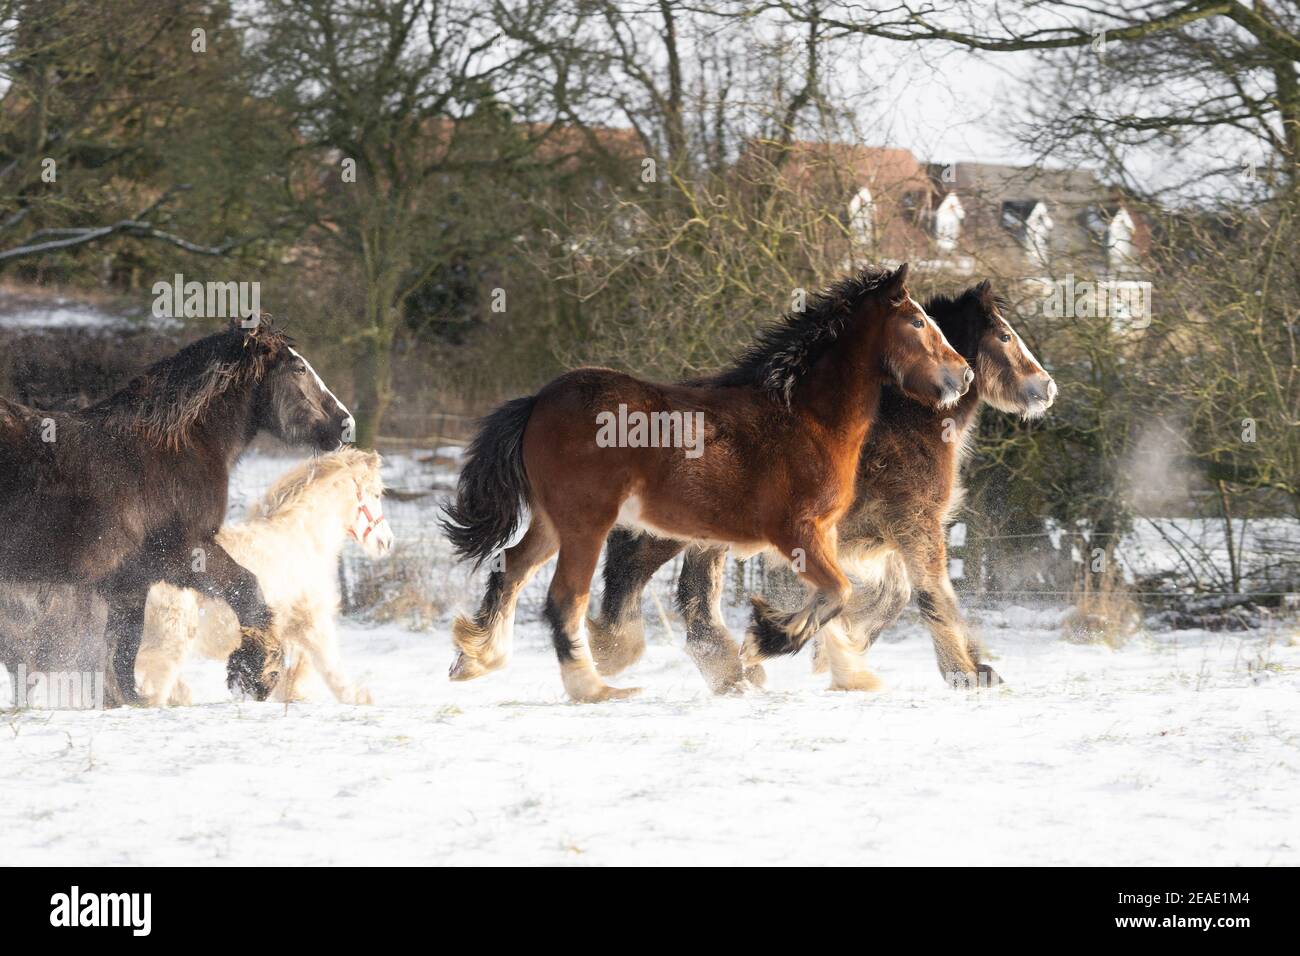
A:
x: 811, y: 553
x: 322, y: 648
x: 255, y: 665
x: 957, y: 654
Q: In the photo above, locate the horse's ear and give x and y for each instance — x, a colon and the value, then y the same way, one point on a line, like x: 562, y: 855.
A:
x: 896, y: 285
x: 984, y: 292
x: 256, y: 328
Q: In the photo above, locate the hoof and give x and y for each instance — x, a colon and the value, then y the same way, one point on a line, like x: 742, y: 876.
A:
x: 607, y: 693
x: 468, y: 668
x: 612, y: 649
x: 583, y: 686
x: 752, y: 683
x: 181, y: 695
x: 982, y: 676
x: 857, y: 681
x: 478, y: 650
x: 362, y: 697
x: 254, y: 668
x: 603, y: 692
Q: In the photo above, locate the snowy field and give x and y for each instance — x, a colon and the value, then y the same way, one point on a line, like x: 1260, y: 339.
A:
x: 1176, y: 751
x: 1179, y: 748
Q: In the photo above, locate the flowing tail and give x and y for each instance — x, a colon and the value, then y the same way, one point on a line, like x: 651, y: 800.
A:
x: 493, y: 486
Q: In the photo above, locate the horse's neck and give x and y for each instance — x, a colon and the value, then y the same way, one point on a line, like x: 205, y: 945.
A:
x: 966, y: 413
x: 842, y: 391
x: 322, y: 518
x: 226, y: 425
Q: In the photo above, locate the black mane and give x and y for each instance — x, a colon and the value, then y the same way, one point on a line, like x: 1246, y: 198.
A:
x: 963, y: 318
x: 785, y: 350
x: 164, y: 401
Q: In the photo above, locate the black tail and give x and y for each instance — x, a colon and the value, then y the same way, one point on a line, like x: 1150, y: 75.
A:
x: 493, y: 487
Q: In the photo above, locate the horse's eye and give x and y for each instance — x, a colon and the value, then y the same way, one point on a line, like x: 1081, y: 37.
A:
x: 1004, y: 337
x: 918, y: 323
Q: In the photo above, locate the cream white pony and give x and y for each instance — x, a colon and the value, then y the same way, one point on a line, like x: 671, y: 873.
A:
x: 291, y: 540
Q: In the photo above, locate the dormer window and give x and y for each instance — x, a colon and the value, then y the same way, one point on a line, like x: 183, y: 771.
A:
x: 1038, y: 234
x: 1120, y: 253
x: 1028, y: 221
x: 862, y: 225
x: 947, y: 223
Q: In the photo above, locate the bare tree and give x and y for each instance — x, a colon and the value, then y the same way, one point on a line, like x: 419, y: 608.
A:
x: 93, y: 96
x: 392, y: 103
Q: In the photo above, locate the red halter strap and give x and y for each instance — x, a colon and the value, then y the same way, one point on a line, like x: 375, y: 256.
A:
x: 363, y: 509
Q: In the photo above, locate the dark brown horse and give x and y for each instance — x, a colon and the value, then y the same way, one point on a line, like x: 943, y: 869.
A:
x: 891, y: 540
x: 762, y: 456
x: 130, y: 492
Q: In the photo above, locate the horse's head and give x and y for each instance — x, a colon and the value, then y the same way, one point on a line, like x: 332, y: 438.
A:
x: 1006, y: 373
x: 292, y: 401
x: 916, y: 355
x: 369, y: 526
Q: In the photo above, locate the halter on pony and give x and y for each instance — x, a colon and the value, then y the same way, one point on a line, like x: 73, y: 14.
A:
x: 363, y: 510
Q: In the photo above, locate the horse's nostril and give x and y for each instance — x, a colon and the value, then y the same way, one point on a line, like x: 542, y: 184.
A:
x: 968, y: 376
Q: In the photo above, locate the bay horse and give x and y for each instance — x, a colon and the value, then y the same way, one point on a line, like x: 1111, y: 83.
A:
x: 891, y: 539
x: 131, y: 491
x: 310, y: 512
x: 777, y: 439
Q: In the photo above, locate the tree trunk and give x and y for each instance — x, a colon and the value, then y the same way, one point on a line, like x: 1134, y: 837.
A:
x: 1234, y: 562
x: 374, y: 379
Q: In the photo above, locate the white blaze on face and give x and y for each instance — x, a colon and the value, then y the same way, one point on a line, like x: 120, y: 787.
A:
x: 1025, y: 350
x: 934, y: 325
x: 1032, y: 360
x: 952, y: 394
x: 349, y: 425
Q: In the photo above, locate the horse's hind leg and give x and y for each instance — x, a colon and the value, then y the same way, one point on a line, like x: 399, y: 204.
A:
x: 631, y: 560
x: 708, y: 642
x: 122, y: 633
x: 566, y: 609
x: 484, y: 642
x: 957, y: 654
x: 170, y: 627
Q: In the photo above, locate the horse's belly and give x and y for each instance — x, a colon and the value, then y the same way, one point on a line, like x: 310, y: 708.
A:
x: 681, y: 525
x: 73, y: 540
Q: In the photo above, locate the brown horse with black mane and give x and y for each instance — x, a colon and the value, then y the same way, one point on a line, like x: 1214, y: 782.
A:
x: 891, y: 540
x: 130, y: 492
x: 778, y: 442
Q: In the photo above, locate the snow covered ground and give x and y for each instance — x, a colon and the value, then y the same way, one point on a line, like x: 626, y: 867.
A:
x: 31, y: 309
x: 1179, y: 748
